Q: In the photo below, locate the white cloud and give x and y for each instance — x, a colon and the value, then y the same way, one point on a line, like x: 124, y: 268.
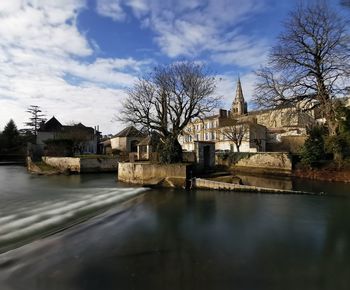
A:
x: 42, y: 62
x: 111, y: 8
x: 192, y: 27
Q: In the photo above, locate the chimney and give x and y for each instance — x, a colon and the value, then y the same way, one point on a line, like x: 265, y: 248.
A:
x: 222, y: 113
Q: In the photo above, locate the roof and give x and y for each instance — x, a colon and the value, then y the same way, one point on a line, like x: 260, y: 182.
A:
x: 52, y: 125
x: 150, y: 140
x: 130, y: 131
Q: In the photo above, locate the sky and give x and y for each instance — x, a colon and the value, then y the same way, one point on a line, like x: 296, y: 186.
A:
x: 77, y: 58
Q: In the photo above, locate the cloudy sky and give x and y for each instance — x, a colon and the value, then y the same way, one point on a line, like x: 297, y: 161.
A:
x: 75, y: 58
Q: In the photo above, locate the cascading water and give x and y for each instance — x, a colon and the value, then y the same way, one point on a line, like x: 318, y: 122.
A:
x: 37, y: 206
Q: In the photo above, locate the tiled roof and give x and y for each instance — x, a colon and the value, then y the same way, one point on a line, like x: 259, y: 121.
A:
x: 130, y: 131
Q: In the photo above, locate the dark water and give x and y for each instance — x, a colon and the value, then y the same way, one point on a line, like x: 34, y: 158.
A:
x: 191, y: 240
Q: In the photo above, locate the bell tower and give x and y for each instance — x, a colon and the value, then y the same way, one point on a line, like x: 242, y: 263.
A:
x: 239, y: 106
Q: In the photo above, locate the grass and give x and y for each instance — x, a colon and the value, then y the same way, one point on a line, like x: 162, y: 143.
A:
x: 45, y: 167
x: 89, y: 156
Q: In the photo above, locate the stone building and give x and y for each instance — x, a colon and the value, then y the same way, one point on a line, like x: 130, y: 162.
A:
x: 265, y: 129
x: 86, y: 139
x: 126, y: 140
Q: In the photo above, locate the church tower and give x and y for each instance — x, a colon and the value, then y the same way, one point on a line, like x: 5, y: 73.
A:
x: 239, y: 106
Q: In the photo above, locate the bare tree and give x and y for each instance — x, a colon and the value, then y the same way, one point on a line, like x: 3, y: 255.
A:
x: 310, y: 64
x: 169, y: 98
x: 235, y: 132
x: 35, y: 119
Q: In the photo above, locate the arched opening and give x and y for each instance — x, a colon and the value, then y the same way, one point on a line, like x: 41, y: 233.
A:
x: 133, y: 146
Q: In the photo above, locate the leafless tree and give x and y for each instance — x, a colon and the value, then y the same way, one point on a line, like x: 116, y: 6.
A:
x: 309, y: 66
x: 235, y: 132
x: 167, y: 99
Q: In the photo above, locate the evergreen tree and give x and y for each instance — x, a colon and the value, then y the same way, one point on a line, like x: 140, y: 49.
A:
x: 10, y: 136
x: 313, y: 150
x: 36, y: 118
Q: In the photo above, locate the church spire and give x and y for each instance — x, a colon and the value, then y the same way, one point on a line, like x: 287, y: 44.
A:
x: 239, y: 106
x: 239, y: 91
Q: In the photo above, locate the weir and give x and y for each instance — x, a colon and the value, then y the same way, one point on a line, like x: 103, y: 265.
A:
x: 27, y: 222
x: 216, y: 185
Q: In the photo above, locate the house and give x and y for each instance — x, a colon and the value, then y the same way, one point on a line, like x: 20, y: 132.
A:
x: 126, y: 140
x: 84, y: 139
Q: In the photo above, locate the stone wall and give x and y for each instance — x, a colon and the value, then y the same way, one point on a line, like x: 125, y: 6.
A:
x: 215, y: 185
x: 82, y: 165
x: 63, y: 163
x: 260, y: 162
x: 150, y: 173
x: 98, y: 165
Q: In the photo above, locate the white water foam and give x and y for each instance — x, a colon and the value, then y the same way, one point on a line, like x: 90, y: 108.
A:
x: 45, y: 216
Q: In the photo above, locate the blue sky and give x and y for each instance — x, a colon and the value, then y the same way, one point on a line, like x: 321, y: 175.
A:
x: 76, y: 58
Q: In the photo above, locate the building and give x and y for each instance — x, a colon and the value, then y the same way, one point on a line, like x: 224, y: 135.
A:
x: 147, y: 147
x: 263, y: 130
x: 126, y: 140
x: 85, y: 139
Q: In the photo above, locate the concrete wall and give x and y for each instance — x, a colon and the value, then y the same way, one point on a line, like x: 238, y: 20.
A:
x: 81, y: 165
x: 144, y: 173
x: 263, y: 162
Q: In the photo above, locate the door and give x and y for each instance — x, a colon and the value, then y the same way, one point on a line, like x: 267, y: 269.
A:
x: 206, y: 156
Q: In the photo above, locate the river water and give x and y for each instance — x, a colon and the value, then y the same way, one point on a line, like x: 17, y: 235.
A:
x: 173, y: 239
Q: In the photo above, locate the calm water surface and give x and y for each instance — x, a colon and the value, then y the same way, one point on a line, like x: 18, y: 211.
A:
x: 169, y: 239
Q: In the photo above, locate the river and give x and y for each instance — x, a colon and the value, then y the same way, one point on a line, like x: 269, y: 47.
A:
x: 173, y: 239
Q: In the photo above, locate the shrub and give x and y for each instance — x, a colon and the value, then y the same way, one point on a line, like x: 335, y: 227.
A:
x: 170, y: 151
x: 313, y: 150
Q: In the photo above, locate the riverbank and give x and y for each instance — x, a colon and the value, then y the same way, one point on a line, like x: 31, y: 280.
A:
x: 330, y: 175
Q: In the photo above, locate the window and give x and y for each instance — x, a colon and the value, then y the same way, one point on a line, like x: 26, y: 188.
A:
x: 206, y: 136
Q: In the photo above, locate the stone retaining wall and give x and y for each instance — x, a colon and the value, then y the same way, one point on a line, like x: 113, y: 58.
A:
x: 262, y: 162
x: 83, y: 165
x: 63, y: 163
x: 150, y: 173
